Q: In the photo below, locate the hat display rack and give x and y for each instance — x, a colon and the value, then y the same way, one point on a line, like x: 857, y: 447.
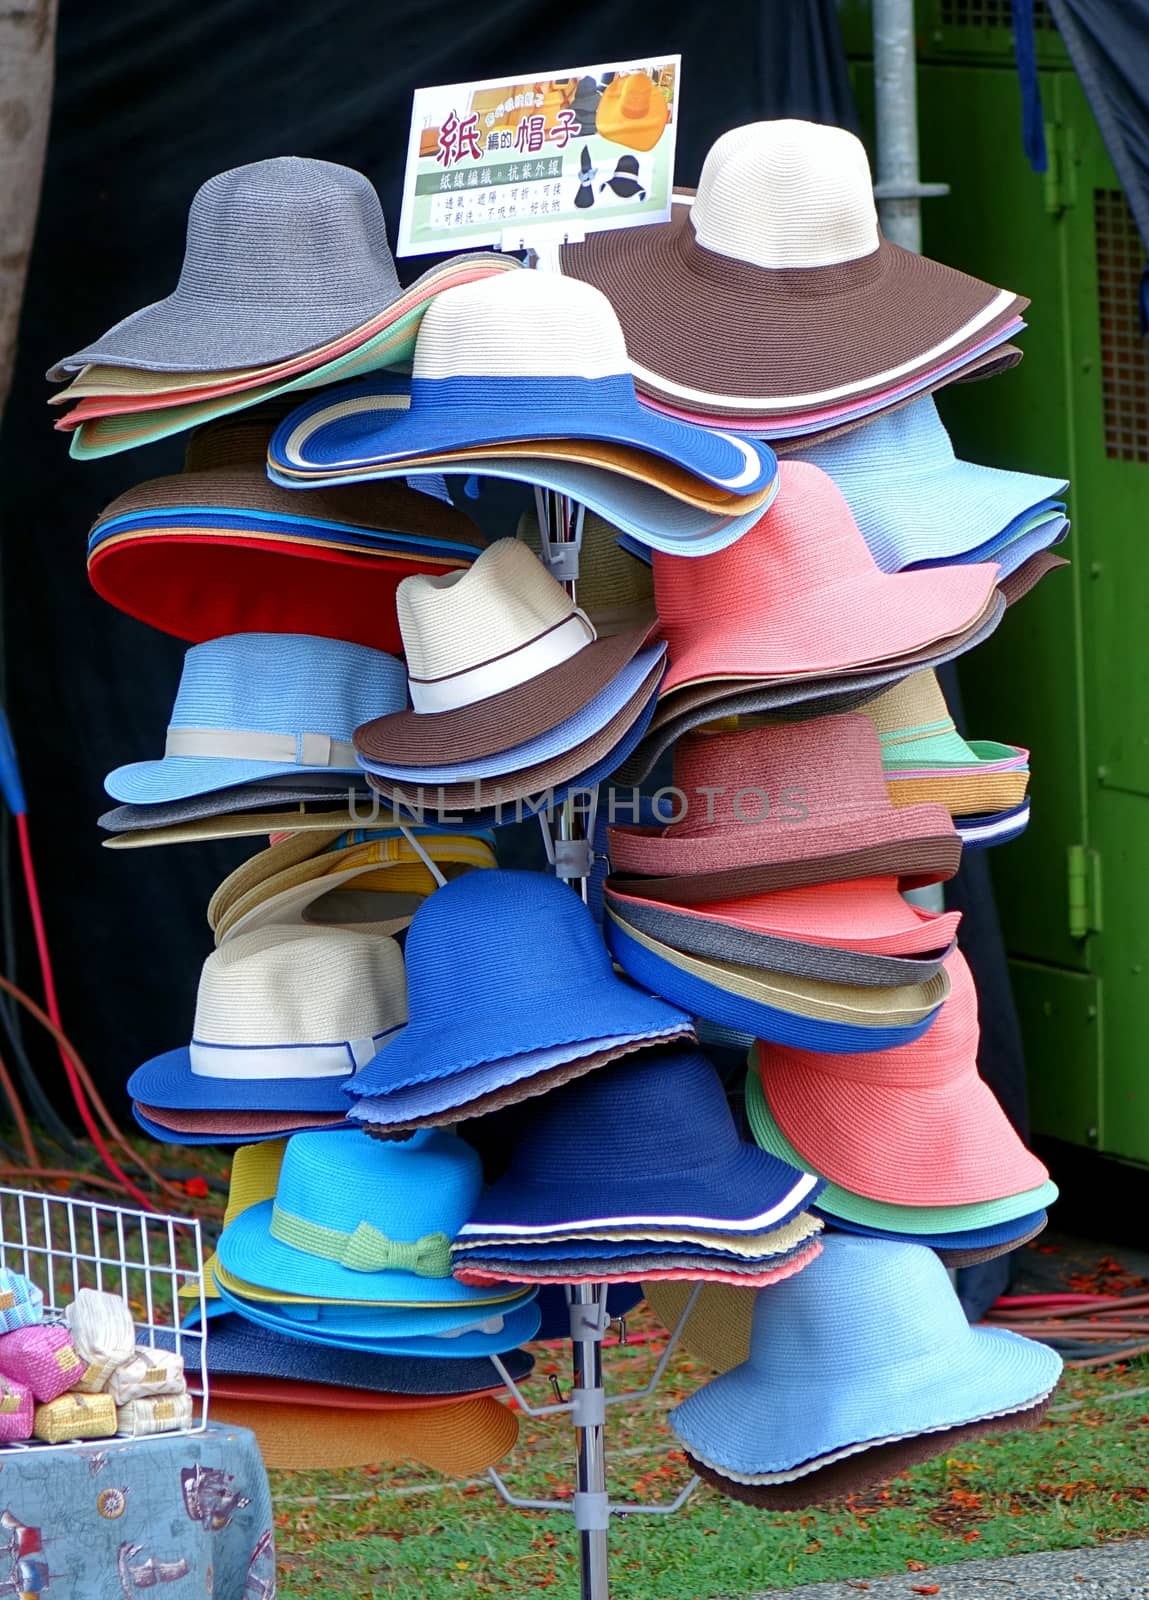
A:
x: 751, y: 546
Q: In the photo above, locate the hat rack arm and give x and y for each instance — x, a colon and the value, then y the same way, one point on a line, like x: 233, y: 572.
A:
x: 656, y: 1376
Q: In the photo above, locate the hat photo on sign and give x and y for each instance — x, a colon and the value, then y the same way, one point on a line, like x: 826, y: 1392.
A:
x: 775, y: 289
x: 283, y: 1018
x: 253, y: 706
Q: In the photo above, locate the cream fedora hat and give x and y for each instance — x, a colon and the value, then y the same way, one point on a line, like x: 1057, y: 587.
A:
x: 494, y: 659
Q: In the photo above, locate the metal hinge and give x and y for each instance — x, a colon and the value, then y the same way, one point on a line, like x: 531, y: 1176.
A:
x: 1059, y: 182
x: 1083, y: 869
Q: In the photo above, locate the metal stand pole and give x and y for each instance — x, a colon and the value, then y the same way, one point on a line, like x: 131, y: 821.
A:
x: 588, y: 1414
x: 899, y: 190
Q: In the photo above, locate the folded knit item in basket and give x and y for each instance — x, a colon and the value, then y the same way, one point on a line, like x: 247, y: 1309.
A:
x: 43, y: 1357
x: 21, y: 1302
x: 15, y: 1411
x: 149, y: 1372
x: 103, y: 1333
x: 159, y: 1413
x: 75, y: 1416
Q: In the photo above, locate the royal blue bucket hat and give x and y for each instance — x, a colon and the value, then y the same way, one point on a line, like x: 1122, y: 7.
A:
x: 915, y: 502
x: 650, y: 1142
x: 253, y: 706
x: 539, y: 976
x: 238, y: 1348
x: 500, y: 1330
x: 360, y: 1220
x: 868, y: 1342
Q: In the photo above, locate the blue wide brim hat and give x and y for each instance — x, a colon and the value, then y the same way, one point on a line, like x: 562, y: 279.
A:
x: 461, y: 1089
x: 914, y: 501
x: 252, y: 521
x: 665, y: 1153
x: 346, y: 428
x: 169, y: 1083
x: 163, y: 1135
x: 518, y: 1327
x: 705, y: 999
x: 310, y: 691
x: 1047, y: 525
x: 868, y: 1342
x: 318, y: 791
x: 605, y: 1251
x: 998, y: 827
x: 969, y: 1239
x: 564, y: 736
x: 345, y: 1321
x: 238, y: 1348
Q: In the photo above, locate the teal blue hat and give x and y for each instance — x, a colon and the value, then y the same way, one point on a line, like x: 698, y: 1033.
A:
x: 357, y: 1219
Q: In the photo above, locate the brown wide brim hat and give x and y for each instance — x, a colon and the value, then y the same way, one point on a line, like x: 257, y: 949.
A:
x: 297, y: 1391
x: 866, y: 1468
x: 248, y: 825
x: 502, y: 721
x: 458, y: 1440
x: 239, y: 1124
x: 708, y: 330
x: 696, y: 704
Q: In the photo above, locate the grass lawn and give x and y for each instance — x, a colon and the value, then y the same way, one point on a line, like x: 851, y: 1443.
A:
x: 1082, y: 1478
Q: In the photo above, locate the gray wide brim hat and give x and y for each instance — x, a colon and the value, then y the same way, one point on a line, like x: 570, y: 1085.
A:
x: 282, y: 257
x: 261, y: 797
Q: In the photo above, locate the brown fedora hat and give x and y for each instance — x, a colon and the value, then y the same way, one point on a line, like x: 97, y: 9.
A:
x: 496, y: 656
x: 775, y: 290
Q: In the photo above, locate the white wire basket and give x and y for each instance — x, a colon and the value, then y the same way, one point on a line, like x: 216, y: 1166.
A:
x: 64, y: 1245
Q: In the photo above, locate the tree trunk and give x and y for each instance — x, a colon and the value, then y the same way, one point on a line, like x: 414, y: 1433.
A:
x: 27, y: 63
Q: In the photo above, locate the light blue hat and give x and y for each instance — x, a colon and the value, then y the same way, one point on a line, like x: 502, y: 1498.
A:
x: 505, y: 1326
x: 253, y: 706
x: 868, y: 1342
x: 914, y: 501
x: 357, y: 1219
x: 21, y: 1301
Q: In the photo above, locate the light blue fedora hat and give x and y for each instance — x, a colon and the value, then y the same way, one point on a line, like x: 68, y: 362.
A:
x: 357, y: 1219
x: 914, y: 501
x: 868, y: 1342
x: 253, y: 706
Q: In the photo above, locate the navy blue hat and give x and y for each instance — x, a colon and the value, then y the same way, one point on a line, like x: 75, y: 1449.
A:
x: 648, y: 1142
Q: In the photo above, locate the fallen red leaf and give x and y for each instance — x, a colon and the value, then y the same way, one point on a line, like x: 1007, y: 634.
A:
x: 916, y: 1566
x: 197, y: 1188
x: 926, y: 1588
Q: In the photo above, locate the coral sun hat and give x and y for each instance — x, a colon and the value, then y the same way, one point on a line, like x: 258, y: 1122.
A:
x: 911, y: 1126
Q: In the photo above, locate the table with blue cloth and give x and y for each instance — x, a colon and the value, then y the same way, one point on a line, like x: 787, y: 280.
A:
x: 190, y: 1513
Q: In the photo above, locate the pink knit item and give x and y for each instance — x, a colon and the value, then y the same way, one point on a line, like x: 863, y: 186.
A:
x: 800, y: 595
x: 15, y: 1411
x: 43, y: 1357
x: 913, y: 1126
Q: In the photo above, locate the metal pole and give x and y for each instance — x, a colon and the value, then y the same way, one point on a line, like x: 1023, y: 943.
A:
x: 899, y: 189
x: 591, y: 1507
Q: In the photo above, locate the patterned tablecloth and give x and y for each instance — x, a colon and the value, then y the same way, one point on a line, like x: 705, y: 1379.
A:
x: 187, y: 1516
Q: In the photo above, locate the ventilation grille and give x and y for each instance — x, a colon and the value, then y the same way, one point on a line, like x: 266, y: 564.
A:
x: 1124, y: 352
x: 991, y: 14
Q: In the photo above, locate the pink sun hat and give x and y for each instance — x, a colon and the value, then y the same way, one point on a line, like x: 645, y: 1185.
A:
x: 800, y: 595
x: 866, y: 915
x: 786, y: 795
x: 912, y: 1126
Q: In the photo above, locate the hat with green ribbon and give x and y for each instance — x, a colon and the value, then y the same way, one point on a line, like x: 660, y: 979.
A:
x: 357, y: 1219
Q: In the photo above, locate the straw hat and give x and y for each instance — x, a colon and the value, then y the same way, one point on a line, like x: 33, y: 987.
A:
x: 916, y: 1125
x: 747, y: 932
x: 550, y: 357
x: 767, y: 1005
x: 638, y: 1266
x: 665, y: 1149
x: 717, y: 1331
x: 776, y: 290
x: 864, y: 1469
x: 801, y: 596
x: 135, y: 827
x: 459, y: 1439
x: 805, y: 799
x: 228, y: 1127
x: 632, y: 111
x: 959, y: 1249
x: 843, y: 1205
x: 290, y: 883
x: 283, y: 1017
x: 829, y: 1353
x: 914, y: 501
x: 541, y: 978
x: 253, y: 706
